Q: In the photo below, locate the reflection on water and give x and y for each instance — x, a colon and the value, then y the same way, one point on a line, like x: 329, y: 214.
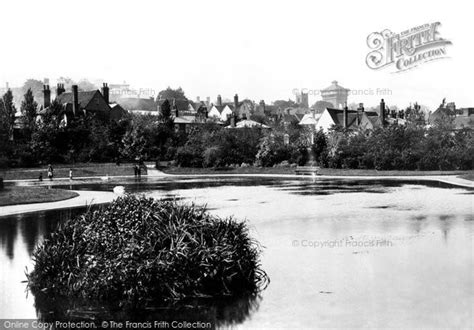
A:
x: 340, y: 253
x: 222, y: 312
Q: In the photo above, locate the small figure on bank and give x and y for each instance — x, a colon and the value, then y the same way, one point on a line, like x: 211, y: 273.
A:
x: 40, y: 178
x: 135, y: 169
x: 139, y: 170
x: 70, y: 174
x: 50, y: 172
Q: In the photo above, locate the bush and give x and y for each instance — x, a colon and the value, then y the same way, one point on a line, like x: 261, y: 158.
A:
x: 211, y: 157
x: 188, y: 156
x: 138, y: 249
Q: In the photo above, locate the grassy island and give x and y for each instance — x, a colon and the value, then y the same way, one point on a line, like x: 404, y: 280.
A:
x: 139, y: 249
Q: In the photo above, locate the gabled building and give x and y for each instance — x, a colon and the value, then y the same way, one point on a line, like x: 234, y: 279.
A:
x: 461, y: 118
x: 75, y: 104
x: 352, y: 119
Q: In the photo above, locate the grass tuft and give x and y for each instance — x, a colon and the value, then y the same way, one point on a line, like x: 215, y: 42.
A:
x: 139, y: 249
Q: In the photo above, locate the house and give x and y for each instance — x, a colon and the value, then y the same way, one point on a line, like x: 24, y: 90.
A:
x: 220, y: 111
x: 75, y: 104
x: 352, y: 119
x: 461, y: 118
x: 310, y: 119
x: 116, y: 111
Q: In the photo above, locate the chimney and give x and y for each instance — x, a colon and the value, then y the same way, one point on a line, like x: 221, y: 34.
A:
x: 262, y: 106
x: 75, y: 100
x: 344, y: 116
x: 382, y: 112
x: 236, y: 101
x: 219, y: 100
x: 46, y: 96
x: 175, y: 109
x: 208, y: 101
x: 59, y: 89
x: 105, y: 92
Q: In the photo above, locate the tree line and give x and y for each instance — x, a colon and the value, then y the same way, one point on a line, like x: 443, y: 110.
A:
x: 26, y: 142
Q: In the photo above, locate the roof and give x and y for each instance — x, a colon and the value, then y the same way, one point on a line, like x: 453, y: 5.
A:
x: 220, y: 108
x: 83, y: 98
x: 181, y: 104
x: 134, y: 103
x: 248, y: 123
x: 335, y: 87
x: 442, y: 112
x: 337, y: 116
x: 309, y: 119
x: 375, y: 120
x: 464, y: 122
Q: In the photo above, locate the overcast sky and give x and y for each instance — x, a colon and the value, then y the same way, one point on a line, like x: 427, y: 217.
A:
x: 258, y: 49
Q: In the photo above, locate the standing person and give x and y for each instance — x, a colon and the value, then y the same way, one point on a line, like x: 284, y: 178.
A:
x: 70, y: 174
x: 50, y: 172
x: 135, y: 169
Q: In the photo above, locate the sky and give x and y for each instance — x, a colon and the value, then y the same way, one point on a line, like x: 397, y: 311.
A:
x: 257, y: 49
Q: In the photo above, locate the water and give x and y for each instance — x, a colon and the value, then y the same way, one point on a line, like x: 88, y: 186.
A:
x: 339, y: 253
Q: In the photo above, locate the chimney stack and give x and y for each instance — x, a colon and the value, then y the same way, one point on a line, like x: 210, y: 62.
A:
x: 219, y: 100
x: 59, y: 89
x: 175, y: 109
x: 105, y: 92
x: 382, y: 112
x: 75, y: 100
x: 46, y: 96
x: 208, y: 101
x: 344, y: 116
x: 236, y: 101
x: 262, y: 106
x: 360, y: 110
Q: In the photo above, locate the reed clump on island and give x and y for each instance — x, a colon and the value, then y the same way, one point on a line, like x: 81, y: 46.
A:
x: 139, y: 249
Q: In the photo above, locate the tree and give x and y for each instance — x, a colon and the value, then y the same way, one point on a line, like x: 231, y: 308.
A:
x: 285, y: 104
x: 35, y: 86
x: 169, y: 94
x: 28, y: 110
x: 7, y: 113
x: 165, y: 109
x: 86, y: 85
x: 320, y: 106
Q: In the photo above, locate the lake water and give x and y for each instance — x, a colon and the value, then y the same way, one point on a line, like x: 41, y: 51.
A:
x: 339, y: 253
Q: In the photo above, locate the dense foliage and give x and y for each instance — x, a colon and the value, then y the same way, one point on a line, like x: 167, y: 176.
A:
x: 399, y: 147
x: 140, y: 249
x: 414, y: 146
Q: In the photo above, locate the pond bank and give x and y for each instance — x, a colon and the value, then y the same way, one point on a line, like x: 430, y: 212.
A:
x: 83, y: 198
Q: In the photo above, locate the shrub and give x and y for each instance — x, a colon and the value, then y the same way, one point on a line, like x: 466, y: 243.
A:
x: 138, y: 249
x: 211, y: 157
x: 188, y: 156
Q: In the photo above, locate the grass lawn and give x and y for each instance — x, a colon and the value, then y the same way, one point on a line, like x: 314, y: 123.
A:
x: 324, y: 171
x: 126, y: 169
x: 13, y: 195
x: 62, y: 171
